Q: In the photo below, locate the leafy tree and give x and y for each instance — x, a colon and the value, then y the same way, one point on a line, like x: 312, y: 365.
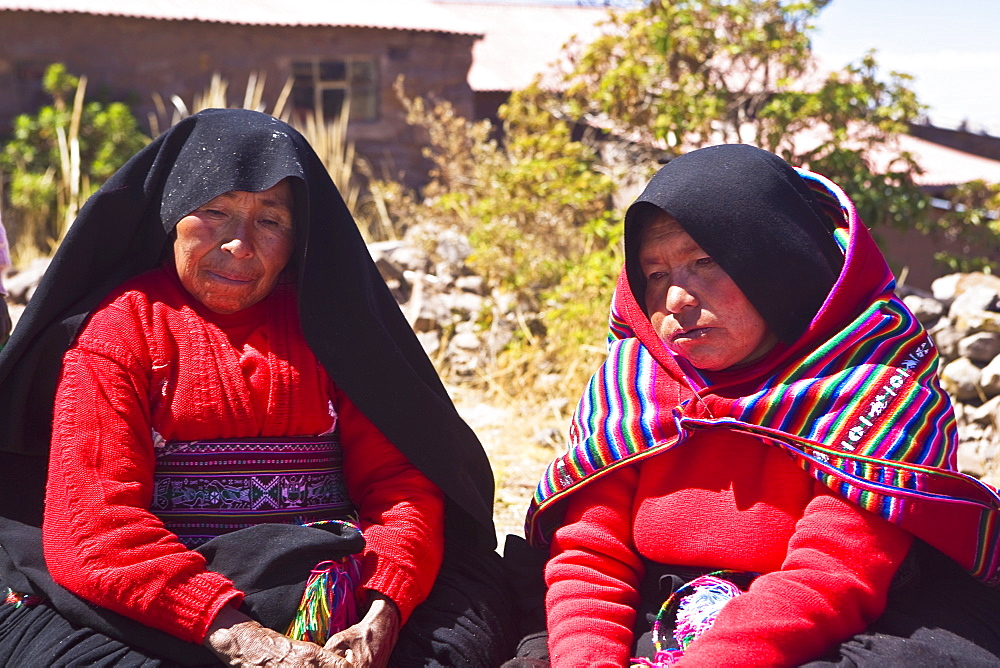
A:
x: 682, y: 74
x: 525, y: 203
x: 58, y: 157
x: 973, y: 224
x: 664, y: 78
x: 535, y: 209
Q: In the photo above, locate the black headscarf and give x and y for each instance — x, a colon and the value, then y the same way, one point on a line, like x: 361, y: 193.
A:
x: 349, y: 317
x: 754, y: 215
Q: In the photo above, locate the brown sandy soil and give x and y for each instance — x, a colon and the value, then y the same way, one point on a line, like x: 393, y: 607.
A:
x: 520, y: 440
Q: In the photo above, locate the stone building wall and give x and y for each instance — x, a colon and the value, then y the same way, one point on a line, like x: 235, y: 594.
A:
x: 129, y: 59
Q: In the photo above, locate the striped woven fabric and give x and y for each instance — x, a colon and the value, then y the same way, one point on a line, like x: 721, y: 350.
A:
x: 203, y: 489
x: 863, y: 413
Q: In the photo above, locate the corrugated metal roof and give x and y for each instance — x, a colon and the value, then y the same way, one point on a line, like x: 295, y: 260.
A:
x: 521, y: 40
x: 948, y: 166
x: 417, y: 15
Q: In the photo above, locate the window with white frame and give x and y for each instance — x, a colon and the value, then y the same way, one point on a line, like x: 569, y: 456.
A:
x: 333, y: 84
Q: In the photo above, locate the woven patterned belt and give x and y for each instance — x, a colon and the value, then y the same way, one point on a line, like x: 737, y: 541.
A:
x: 203, y: 489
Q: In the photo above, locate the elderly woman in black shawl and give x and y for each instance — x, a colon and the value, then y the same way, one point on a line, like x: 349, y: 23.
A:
x: 224, y: 408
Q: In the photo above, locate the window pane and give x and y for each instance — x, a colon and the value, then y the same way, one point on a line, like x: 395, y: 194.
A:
x: 302, y: 97
x: 363, y: 107
x: 364, y: 90
x: 362, y: 71
x: 333, y: 102
x: 333, y: 70
x: 302, y: 72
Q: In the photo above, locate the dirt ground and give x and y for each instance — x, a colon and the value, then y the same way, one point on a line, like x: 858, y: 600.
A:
x: 520, y: 440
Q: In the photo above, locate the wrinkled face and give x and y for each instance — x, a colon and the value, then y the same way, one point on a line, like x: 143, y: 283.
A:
x: 230, y: 251
x: 694, y: 305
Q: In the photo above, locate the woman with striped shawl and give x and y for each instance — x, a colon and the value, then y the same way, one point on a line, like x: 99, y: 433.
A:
x: 763, y: 472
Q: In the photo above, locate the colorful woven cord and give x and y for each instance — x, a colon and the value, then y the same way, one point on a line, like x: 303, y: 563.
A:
x: 693, y: 608
x: 662, y: 659
x: 329, y: 603
x: 20, y: 600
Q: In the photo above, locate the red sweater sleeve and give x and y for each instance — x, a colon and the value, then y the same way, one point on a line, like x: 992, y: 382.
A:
x: 100, y: 540
x: 833, y: 583
x: 593, y: 576
x: 401, y: 511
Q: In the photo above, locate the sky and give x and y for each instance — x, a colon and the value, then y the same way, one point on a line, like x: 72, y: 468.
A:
x: 951, y: 47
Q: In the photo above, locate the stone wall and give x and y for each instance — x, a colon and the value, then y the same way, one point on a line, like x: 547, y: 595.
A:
x: 962, y: 314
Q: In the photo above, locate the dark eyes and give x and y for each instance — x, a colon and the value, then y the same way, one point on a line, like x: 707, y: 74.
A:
x: 702, y: 262
x: 220, y: 214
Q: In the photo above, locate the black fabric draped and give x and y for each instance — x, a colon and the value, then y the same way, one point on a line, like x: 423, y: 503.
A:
x: 267, y: 562
x: 750, y: 211
x: 349, y: 318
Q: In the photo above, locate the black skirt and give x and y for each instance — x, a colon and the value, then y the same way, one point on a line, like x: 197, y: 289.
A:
x: 466, y: 620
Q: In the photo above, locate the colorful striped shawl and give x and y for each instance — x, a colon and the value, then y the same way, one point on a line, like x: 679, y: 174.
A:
x: 862, y: 412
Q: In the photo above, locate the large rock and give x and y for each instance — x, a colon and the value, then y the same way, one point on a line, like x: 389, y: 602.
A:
x: 21, y: 284
x: 974, y: 293
x: 453, y: 248
x: 980, y: 347
x: 430, y: 341
x: 951, y: 287
x: 945, y: 288
x: 471, y: 283
x: 466, y: 305
x: 989, y: 378
x: 946, y: 339
x: 926, y: 309
x: 960, y: 378
x: 970, y: 322
x: 986, y: 414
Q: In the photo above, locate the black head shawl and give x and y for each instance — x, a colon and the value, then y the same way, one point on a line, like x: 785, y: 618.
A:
x: 751, y: 212
x: 349, y: 317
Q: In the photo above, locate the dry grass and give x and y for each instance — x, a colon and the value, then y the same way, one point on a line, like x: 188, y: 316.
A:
x: 520, y: 439
x: 37, y: 235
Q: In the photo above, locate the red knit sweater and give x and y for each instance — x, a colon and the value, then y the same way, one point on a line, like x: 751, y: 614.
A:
x: 154, y: 358
x: 720, y: 500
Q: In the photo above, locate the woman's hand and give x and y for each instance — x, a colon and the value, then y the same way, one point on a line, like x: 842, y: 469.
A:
x: 240, y: 641
x: 369, y: 643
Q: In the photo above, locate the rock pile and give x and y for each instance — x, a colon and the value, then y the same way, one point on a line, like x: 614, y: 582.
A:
x: 445, y: 301
x: 962, y: 314
x: 20, y: 285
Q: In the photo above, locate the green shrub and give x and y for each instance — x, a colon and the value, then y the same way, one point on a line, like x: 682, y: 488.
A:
x: 55, y: 159
x: 536, y: 209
